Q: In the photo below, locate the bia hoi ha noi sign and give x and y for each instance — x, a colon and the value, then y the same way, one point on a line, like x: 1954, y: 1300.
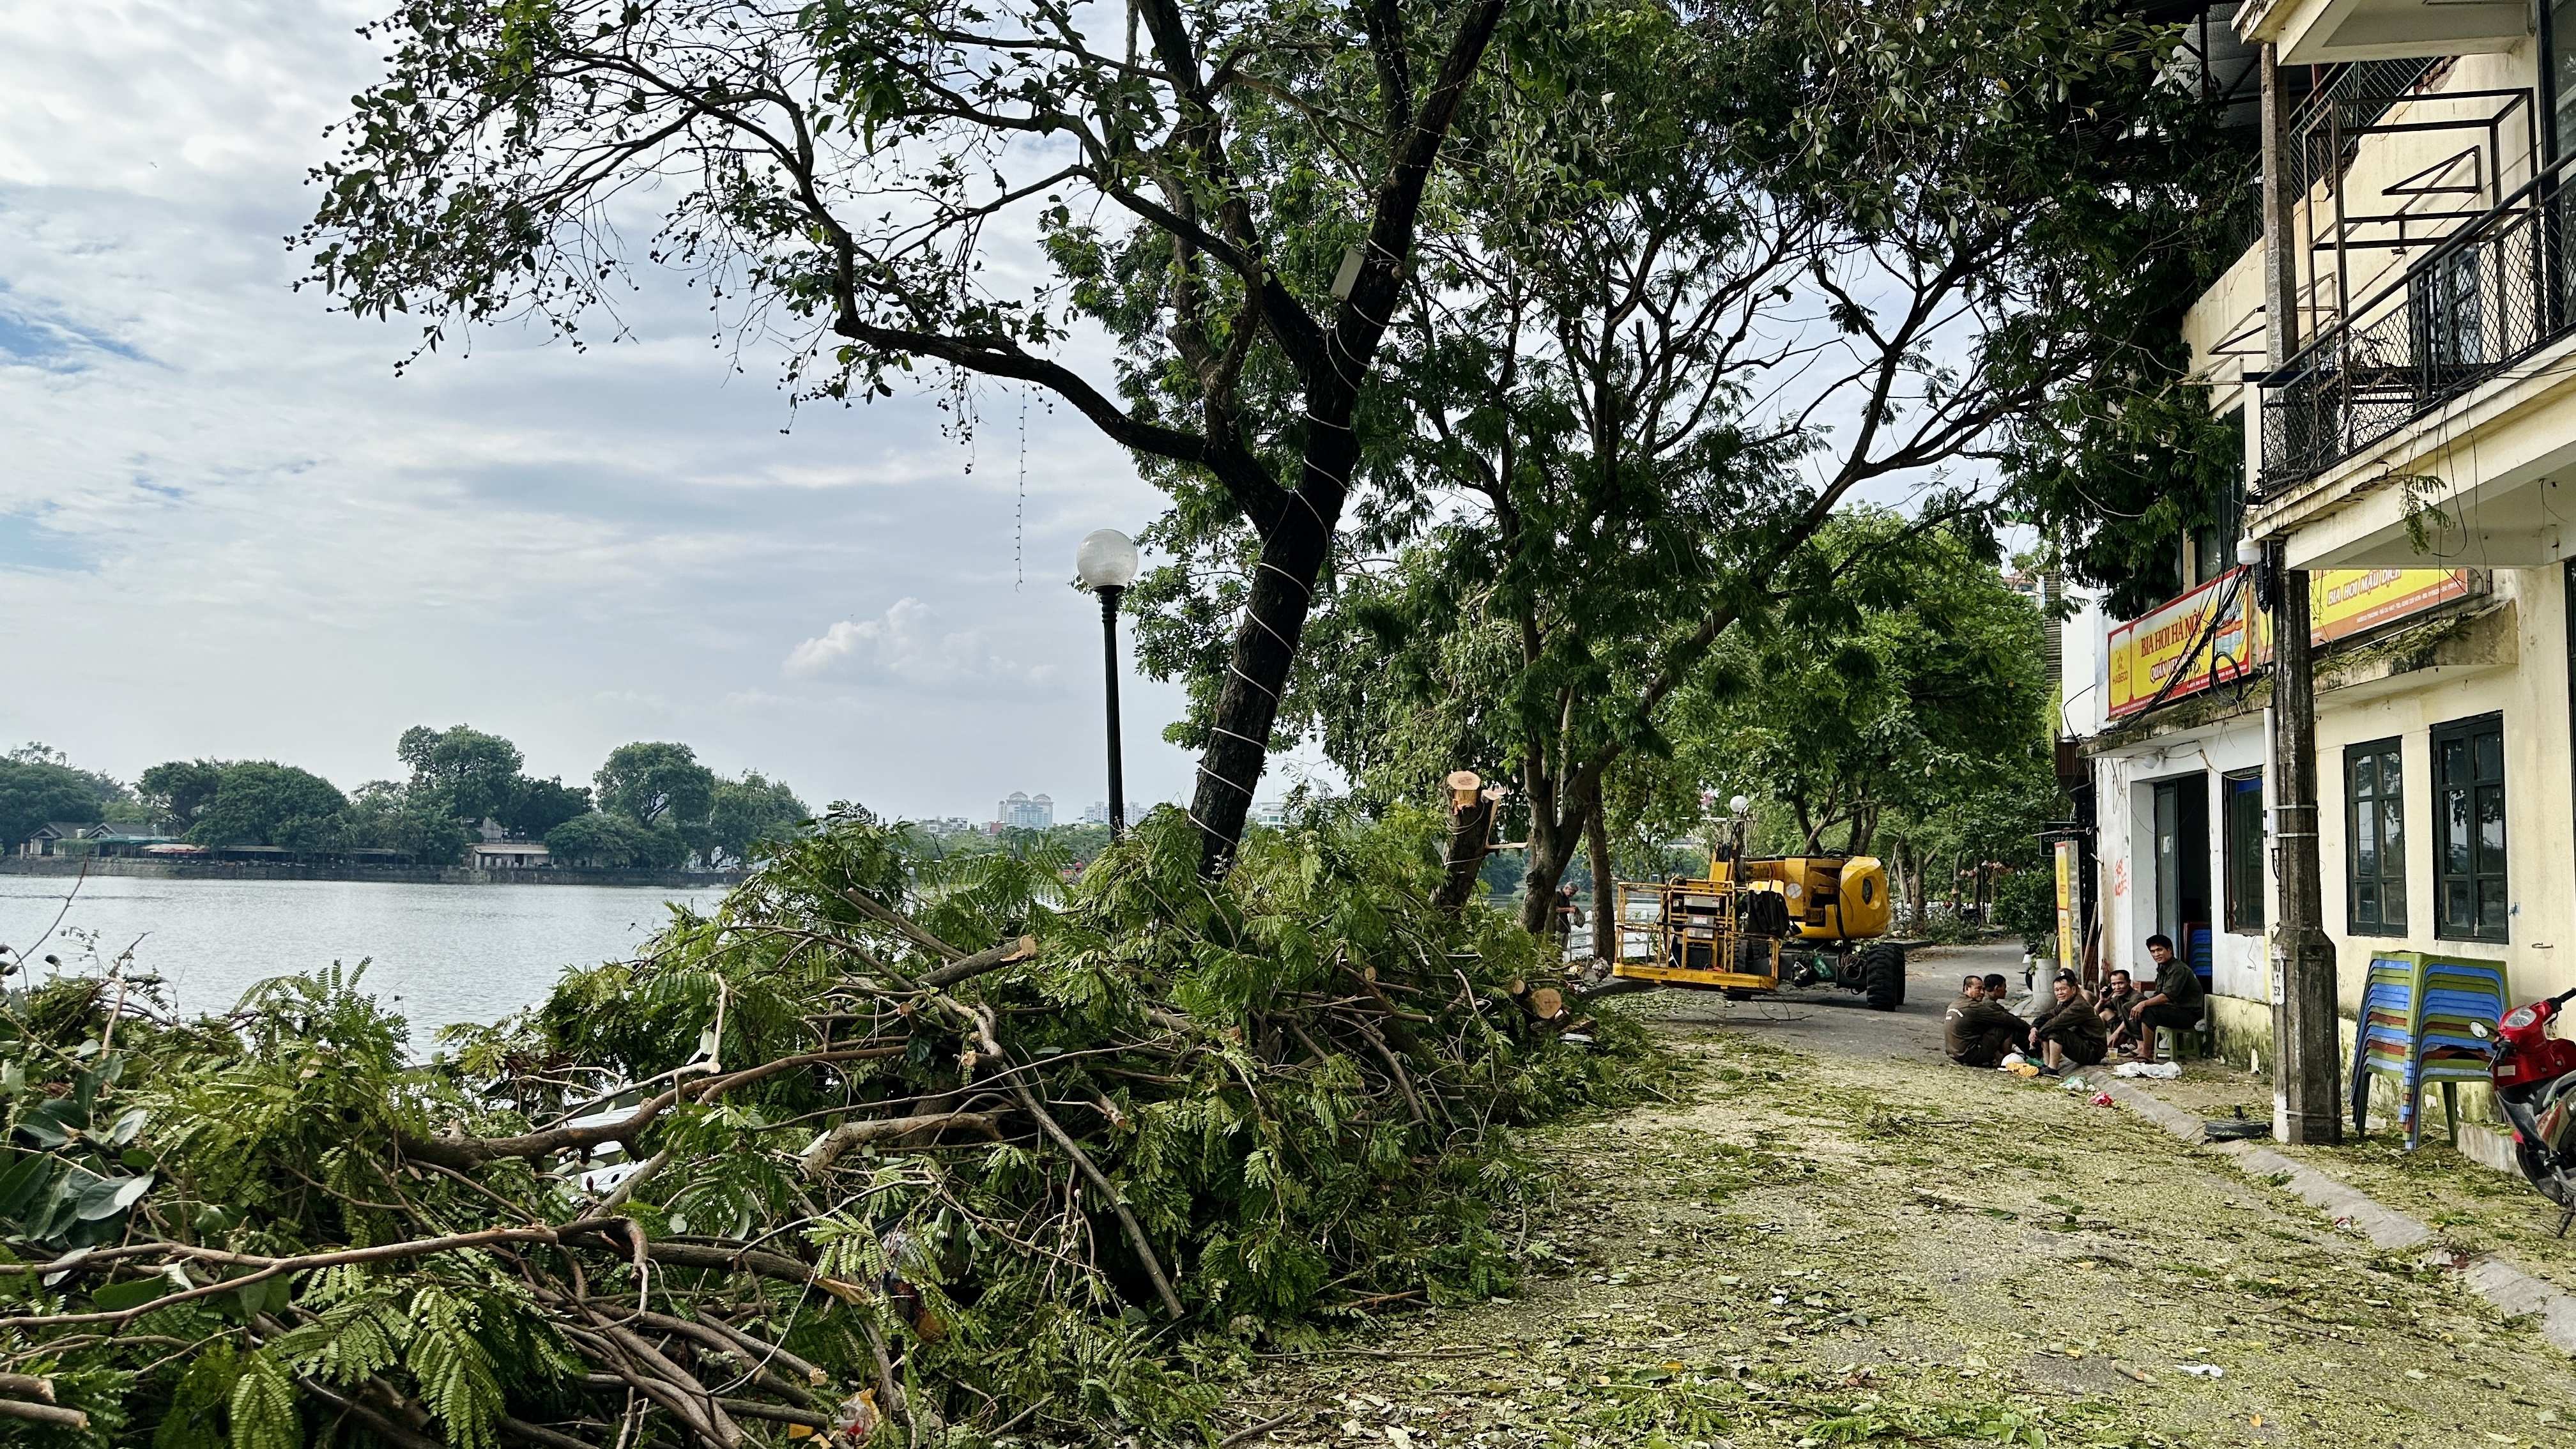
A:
x: 2178, y: 638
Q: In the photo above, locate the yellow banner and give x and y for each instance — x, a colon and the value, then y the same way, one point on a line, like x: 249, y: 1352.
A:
x: 2147, y: 652
x: 2180, y: 639
x: 2066, y: 912
x: 2345, y: 602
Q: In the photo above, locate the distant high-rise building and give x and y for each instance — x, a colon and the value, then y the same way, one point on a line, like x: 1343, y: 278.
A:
x: 1273, y: 813
x: 1096, y: 813
x: 1025, y: 812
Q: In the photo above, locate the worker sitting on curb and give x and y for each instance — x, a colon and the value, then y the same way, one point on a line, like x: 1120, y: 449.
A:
x: 2175, y: 1003
x: 1977, y: 1031
x: 2119, y: 997
x: 2069, y: 1030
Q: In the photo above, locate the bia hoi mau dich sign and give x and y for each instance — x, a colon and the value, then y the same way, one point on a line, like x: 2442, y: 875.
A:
x: 2179, y: 638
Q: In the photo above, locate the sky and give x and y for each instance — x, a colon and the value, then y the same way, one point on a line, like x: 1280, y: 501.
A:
x: 229, y: 530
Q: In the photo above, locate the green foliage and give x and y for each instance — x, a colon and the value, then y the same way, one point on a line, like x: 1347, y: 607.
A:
x: 261, y: 802
x: 750, y: 810
x: 30, y: 795
x: 65, y: 1184
x: 200, y: 1400
x: 180, y: 790
x: 1579, y: 500
x: 662, y: 806
x: 2026, y: 900
x: 537, y: 806
x: 1905, y: 681
x: 646, y: 782
x: 470, y: 773
x: 2123, y: 470
x: 458, y: 1381
x: 1220, y: 1054
x: 614, y: 840
x: 264, y: 1412
x: 39, y: 783
x: 387, y: 816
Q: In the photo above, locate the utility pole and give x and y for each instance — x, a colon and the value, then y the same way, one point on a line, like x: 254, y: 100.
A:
x: 2307, y: 1051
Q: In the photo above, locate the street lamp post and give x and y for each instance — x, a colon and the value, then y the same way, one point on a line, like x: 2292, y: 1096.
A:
x: 1105, y: 562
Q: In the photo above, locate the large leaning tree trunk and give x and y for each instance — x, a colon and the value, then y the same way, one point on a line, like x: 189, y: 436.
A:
x: 1701, y: 241
x: 845, y: 175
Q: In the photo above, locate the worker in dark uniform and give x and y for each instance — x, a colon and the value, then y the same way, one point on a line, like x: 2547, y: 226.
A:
x: 2117, y: 999
x: 1977, y: 1031
x: 2175, y: 1003
x: 2069, y: 1030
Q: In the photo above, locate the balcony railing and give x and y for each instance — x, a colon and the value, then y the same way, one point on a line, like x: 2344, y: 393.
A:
x: 2479, y: 300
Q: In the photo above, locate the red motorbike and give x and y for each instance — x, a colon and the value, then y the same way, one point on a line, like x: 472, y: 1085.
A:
x: 2535, y: 1083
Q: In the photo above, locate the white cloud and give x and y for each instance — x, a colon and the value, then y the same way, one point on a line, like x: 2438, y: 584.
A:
x: 220, y: 508
x: 906, y: 643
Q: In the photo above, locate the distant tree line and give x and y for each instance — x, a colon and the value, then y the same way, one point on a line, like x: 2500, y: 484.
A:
x: 39, y: 783
x: 651, y: 804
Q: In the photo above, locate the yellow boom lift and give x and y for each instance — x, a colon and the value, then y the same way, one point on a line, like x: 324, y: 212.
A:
x: 1755, y: 925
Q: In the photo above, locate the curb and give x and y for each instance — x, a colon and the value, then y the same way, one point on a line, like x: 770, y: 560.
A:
x: 2514, y: 1292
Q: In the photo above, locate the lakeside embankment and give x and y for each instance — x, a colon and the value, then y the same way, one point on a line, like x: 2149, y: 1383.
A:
x: 440, y: 955
x: 261, y: 870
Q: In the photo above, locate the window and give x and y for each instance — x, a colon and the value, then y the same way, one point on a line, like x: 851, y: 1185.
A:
x: 2240, y: 814
x: 2468, y: 856
x: 2449, y: 320
x: 2374, y: 821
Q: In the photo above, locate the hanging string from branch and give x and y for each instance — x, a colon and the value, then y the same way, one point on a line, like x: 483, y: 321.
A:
x: 1020, y: 510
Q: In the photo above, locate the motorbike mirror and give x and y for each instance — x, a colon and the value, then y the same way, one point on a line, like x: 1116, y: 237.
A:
x: 2479, y: 1030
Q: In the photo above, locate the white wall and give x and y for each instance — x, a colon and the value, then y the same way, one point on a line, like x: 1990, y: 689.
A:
x: 2086, y: 670
x: 2124, y: 793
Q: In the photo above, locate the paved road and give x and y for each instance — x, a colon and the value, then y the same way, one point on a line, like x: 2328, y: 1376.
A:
x: 1841, y: 1023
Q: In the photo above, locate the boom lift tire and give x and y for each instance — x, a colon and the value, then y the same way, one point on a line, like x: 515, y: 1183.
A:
x: 1883, y: 975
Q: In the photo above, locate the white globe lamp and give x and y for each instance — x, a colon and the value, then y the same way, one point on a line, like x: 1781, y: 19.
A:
x: 1105, y: 562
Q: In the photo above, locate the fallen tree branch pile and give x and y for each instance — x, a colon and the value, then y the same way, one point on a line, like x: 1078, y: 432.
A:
x: 885, y: 1149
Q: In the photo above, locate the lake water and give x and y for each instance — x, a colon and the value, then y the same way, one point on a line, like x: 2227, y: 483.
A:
x: 441, y: 953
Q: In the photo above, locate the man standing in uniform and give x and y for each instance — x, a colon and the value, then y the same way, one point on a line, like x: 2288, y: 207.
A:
x: 1976, y: 1031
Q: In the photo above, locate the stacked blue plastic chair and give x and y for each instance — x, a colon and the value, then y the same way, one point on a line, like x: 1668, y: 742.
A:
x: 2454, y: 993
x: 2416, y: 1011
x: 2384, y: 1036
